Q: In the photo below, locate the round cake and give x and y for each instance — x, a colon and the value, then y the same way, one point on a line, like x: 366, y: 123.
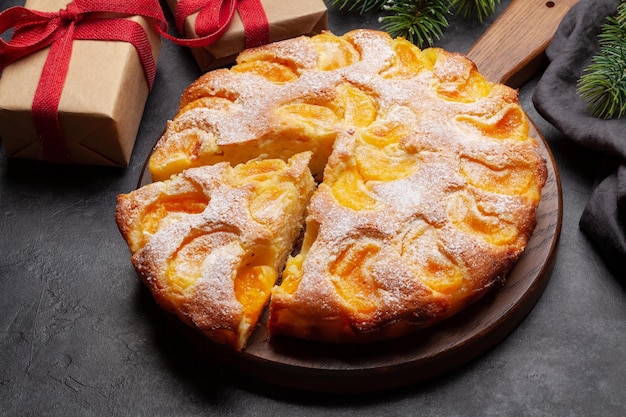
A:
x: 426, y: 187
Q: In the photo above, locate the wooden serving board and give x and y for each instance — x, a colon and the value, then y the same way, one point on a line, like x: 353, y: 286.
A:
x: 508, y: 52
x: 512, y: 49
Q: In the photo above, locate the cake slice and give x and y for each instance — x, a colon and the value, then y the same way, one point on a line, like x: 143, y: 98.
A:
x: 211, y: 241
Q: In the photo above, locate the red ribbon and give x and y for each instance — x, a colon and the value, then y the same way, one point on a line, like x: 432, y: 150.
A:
x: 34, y: 30
x: 216, y: 16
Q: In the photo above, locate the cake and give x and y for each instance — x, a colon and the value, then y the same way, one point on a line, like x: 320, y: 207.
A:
x: 427, y: 181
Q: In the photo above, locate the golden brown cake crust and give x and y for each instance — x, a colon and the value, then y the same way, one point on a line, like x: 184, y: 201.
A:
x: 429, y: 180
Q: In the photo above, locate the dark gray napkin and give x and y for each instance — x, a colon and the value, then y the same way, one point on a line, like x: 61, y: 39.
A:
x: 556, y: 99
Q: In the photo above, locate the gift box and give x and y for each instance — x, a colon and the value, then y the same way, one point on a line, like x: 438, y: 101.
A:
x: 102, y: 100
x: 286, y: 19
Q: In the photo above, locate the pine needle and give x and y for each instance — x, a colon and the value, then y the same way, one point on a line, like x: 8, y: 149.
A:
x: 420, y: 21
x: 603, y: 83
x: 363, y: 6
x: 475, y: 8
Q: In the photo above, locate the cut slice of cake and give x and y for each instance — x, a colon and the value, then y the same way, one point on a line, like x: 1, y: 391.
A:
x: 210, y: 242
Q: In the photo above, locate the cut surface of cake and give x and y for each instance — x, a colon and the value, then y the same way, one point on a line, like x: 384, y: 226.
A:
x: 428, y: 181
x: 210, y: 242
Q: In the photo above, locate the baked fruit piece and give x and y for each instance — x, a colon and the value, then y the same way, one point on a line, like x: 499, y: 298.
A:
x: 210, y: 242
x: 429, y: 180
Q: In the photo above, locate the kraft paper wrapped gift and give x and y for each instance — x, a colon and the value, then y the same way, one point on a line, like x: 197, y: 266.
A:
x: 102, y: 100
x: 287, y: 19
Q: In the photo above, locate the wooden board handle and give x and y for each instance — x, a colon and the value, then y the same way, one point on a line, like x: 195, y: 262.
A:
x: 512, y: 50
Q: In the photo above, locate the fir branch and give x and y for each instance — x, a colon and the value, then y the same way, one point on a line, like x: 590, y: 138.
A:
x: 603, y: 83
x: 420, y: 22
x: 474, y: 8
x: 614, y: 30
x: 362, y: 6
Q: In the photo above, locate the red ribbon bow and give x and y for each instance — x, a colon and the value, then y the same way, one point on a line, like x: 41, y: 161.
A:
x: 215, y: 17
x: 34, y: 30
